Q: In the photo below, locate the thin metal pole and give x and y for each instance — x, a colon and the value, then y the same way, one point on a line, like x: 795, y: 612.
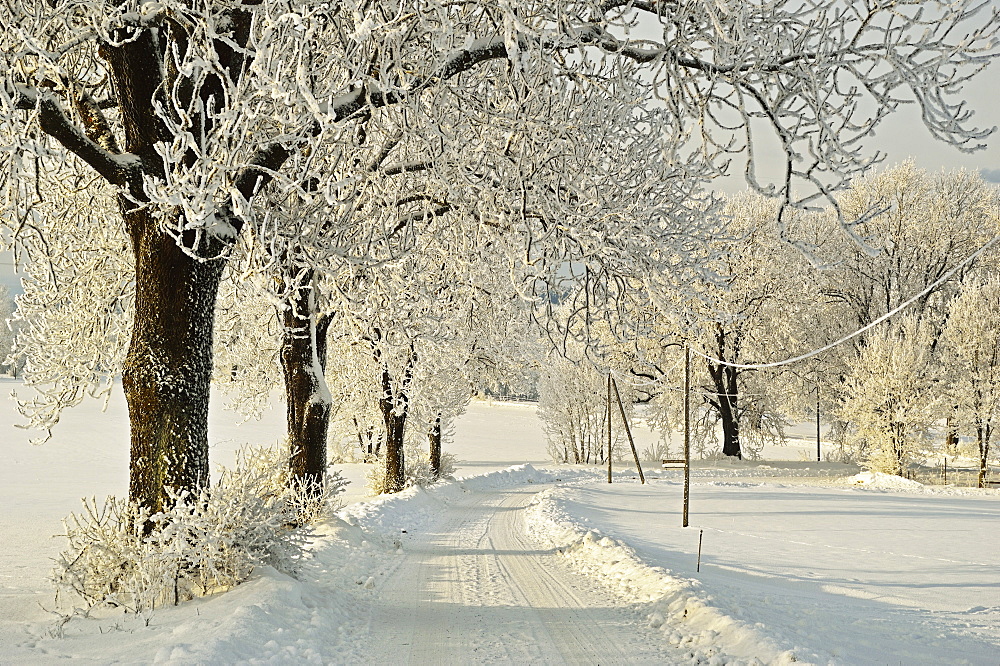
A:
x: 628, y: 430
x: 609, y: 427
x: 701, y: 533
x: 687, y: 434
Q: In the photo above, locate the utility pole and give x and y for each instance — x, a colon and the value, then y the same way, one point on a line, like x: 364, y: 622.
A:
x: 687, y: 433
x: 819, y: 458
x: 609, y: 427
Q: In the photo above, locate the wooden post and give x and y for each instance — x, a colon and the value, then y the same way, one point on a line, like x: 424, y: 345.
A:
x: 818, y: 457
x: 609, y: 427
x: 628, y: 430
x: 687, y: 434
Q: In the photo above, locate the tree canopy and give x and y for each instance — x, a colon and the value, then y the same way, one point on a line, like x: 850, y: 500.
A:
x: 198, y: 116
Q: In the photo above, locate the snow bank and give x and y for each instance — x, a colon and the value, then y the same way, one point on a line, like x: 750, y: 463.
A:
x: 677, y: 606
x: 505, y: 478
x: 891, y: 483
x: 882, y: 481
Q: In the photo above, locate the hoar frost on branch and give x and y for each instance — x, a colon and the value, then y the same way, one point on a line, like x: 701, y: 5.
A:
x: 890, y: 395
x: 972, y: 353
x: 188, y: 110
x: 754, y: 311
x: 78, y: 300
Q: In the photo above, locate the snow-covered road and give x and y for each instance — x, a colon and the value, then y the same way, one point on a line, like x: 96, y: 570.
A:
x: 471, y: 587
x: 802, y: 563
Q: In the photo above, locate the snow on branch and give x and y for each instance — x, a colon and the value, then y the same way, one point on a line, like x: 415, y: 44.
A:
x: 116, y: 168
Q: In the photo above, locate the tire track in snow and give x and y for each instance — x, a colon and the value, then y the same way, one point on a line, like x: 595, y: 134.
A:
x: 473, y: 588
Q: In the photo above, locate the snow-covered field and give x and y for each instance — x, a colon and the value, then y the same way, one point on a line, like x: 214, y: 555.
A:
x: 800, y: 562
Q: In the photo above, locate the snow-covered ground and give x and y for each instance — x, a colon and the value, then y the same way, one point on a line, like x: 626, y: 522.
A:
x: 800, y: 562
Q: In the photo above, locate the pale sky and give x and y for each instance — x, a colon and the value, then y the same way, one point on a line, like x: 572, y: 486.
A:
x: 903, y: 135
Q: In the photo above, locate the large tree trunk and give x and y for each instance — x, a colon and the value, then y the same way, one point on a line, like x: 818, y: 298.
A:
x: 395, y: 427
x: 730, y: 428
x: 394, y: 406
x: 168, y: 369
x: 303, y: 362
x: 727, y: 404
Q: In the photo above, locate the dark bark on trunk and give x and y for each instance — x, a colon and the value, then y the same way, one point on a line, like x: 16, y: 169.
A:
x: 984, y: 433
x: 730, y: 426
x: 434, y: 442
x: 394, y: 407
x: 168, y: 369
x: 727, y: 404
x: 303, y: 362
x: 951, y: 434
x: 395, y: 427
x: 725, y: 378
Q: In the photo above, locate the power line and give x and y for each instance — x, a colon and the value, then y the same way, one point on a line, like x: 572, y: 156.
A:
x: 892, y: 313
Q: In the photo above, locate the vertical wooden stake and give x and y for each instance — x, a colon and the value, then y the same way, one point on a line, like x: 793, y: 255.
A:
x: 687, y: 434
x: 628, y: 430
x: 609, y: 427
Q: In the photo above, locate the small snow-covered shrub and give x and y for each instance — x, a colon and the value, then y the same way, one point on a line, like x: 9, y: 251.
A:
x: 416, y: 470
x: 120, y: 555
x: 310, y: 501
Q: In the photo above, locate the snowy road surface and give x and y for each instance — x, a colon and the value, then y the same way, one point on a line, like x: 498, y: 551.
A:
x: 472, y: 588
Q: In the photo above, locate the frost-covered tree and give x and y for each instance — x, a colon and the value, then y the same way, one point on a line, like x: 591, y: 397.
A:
x: 7, y: 329
x: 754, y: 308
x: 915, y: 226
x: 188, y: 110
x: 972, y: 353
x: 891, y: 391
x: 399, y: 358
x: 919, y: 227
x: 157, y: 99
x: 754, y: 316
x: 573, y: 404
